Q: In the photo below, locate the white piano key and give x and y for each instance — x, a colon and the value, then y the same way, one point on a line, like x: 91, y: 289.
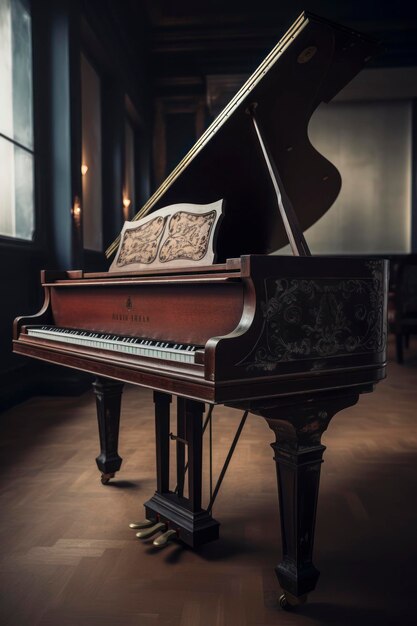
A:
x: 130, y: 345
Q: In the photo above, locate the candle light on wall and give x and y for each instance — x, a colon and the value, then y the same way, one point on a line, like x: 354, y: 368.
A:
x: 84, y: 169
x: 76, y: 211
x: 126, y: 205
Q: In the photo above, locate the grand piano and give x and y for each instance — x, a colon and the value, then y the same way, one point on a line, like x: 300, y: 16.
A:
x: 293, y: 339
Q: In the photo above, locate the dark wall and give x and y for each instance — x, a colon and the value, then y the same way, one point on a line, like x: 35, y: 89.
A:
x: 61, y: 30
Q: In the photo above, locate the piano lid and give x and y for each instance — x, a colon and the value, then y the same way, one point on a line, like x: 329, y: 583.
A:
x: 312, y: 62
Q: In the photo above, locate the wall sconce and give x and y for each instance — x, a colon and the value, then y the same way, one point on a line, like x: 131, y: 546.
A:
x: 76, y: 211
x: 84, y: 169
x: 126, y: 205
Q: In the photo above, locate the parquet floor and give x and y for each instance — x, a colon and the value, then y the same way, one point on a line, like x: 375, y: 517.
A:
x: 68, y: 558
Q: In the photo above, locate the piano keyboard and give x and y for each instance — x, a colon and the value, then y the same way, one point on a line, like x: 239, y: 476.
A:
x: 131, y: 345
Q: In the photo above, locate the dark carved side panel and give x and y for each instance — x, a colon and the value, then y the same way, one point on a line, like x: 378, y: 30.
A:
x: 319, y: 318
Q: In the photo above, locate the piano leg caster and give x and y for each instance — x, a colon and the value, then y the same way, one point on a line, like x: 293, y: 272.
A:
x: 164, y: 539
x: 287, y: 601
x: 146, y: 523
x: 105, y: 478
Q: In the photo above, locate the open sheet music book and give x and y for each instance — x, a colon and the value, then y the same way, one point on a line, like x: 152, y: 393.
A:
x: 176, y: 236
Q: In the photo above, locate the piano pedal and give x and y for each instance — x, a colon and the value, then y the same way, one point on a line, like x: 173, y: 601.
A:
x: 143, y: 524
x: 148, y: 532
x: 164, y: 539
x: 106, y: 477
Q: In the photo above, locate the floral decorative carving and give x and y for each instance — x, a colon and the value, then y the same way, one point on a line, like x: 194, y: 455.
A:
x: 188, y: 237
x: 140, y: 245
x: 173, y: 236
x: 319, y: 319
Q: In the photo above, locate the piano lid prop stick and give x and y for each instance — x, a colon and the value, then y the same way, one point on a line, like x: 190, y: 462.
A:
x: 295, y: 235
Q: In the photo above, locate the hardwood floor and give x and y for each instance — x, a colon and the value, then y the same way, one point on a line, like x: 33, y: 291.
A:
x: 68, y: 557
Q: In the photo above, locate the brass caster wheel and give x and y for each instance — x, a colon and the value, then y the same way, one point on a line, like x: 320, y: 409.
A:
x: 105, y: 478
x: 288, y: 601
x: 283, y: 602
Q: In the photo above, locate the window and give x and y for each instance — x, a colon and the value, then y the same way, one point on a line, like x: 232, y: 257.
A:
x: 16, y: 121
x: 91, y: 157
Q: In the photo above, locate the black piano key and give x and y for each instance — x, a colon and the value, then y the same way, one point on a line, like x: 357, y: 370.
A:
x: 123, y: 339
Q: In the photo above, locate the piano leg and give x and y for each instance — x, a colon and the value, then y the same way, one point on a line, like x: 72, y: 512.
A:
x: 298, y: 427
x: 108, y: 399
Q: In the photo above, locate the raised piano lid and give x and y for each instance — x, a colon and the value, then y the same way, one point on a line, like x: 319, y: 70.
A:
x: 310, y: 64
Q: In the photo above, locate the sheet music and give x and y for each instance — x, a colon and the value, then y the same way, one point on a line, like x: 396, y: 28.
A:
x: 175, y: 236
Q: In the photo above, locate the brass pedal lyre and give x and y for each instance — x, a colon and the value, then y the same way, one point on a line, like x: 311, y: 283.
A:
x: 143, y: 524
x: 148, y: 532
x: 163, y: 539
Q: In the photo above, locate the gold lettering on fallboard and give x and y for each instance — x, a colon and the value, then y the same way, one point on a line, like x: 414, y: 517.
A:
x: 131, y: 317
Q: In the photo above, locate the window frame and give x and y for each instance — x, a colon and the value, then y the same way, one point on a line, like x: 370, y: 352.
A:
x: 37, y: 242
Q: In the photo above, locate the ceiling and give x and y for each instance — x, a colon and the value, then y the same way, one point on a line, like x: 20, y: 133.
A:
x: 186, y: 41
x: 232, y: 36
